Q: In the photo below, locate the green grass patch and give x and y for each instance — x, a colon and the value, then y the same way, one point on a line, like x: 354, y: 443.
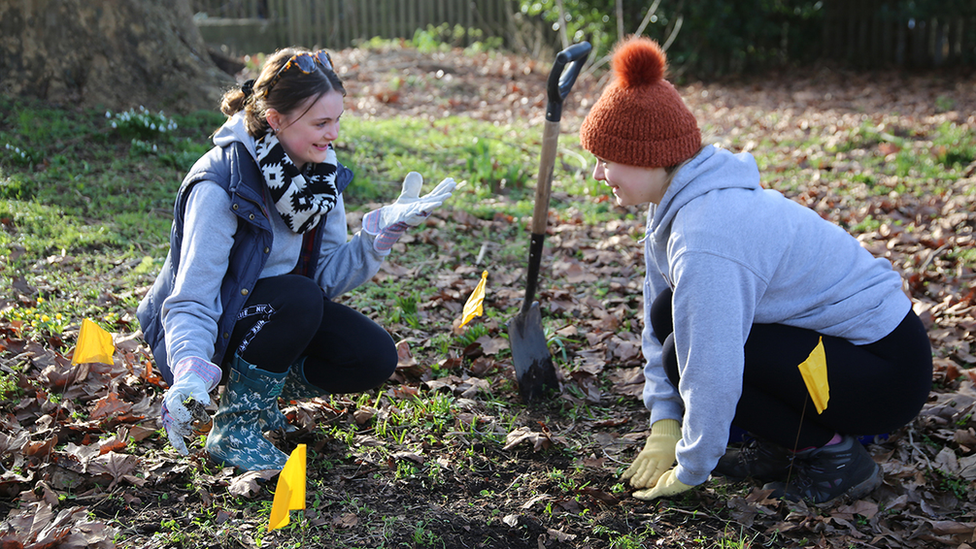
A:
x: 954, y: 147
x: 496, y: 166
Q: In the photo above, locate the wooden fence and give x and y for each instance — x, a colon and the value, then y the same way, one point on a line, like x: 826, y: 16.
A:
x: 865, y: 33
x: 880, y: 33
x: 336, y: 24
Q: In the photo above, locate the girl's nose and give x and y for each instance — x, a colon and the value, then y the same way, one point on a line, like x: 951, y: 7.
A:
x: 333, y: 132
x: 598, y: 172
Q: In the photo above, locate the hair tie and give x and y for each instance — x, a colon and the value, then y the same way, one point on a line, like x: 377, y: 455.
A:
x: 248, y: 88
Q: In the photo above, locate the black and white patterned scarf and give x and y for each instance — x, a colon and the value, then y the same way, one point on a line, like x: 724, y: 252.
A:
x: 301, y: 199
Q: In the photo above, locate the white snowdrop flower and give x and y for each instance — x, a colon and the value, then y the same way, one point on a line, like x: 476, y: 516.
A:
x: 154, y: 147
x: 108, y: 114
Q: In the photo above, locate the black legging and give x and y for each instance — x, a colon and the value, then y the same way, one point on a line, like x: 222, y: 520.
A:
x: 287, y: 317
x: 874, y: 388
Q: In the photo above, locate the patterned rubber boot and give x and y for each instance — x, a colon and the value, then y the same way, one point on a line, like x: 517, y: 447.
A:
x: 822, y: 474
x: 758, y: 459
x: 296, y: 387
x: 237, y: 435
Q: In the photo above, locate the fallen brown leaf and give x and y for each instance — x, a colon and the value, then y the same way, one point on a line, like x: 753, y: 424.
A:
x: 250, y: 483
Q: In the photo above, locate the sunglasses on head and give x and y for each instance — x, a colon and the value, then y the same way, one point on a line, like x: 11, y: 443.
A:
x: 305, y: 62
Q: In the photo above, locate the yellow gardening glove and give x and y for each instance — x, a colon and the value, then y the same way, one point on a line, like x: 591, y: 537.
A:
x: 667, y: 486
x: 657, y: 455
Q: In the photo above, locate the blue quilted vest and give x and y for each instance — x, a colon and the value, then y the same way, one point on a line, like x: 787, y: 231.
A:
x: 233, y: 168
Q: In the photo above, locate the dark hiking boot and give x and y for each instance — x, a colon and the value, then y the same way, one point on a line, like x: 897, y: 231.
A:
x: 758, y: 459
x: 822, y: 474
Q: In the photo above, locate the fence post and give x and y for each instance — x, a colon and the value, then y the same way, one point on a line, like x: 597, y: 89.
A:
x: 888, y: 45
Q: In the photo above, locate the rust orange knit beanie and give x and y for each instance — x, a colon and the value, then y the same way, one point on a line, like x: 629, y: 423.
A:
x: 640, y: 120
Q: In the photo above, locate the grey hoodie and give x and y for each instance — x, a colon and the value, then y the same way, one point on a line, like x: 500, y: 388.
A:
x: 737, y: 255
x: 191, y: 312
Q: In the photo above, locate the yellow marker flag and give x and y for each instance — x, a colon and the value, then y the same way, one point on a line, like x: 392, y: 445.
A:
x: 473, y: 307
x: 94, y: 345
x: 290, y: 493
x: 814, y: 372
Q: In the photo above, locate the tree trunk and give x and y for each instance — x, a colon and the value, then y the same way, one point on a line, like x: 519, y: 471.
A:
x: 113, y: 54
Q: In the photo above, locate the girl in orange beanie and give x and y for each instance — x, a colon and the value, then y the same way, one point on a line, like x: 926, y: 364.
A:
x: 744, y: 286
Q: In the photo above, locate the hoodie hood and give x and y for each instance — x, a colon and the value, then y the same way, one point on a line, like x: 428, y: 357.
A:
x: 711, y: 169
x: 234, y: 130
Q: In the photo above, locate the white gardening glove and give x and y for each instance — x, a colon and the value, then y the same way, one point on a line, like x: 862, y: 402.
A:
x: 410, y: 209
x: 184, y: 402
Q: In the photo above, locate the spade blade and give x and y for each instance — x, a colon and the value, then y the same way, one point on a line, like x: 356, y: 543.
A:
x: 534, y: 370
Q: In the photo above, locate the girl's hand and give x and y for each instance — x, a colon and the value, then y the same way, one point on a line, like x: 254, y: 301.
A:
x: 657, y: 455
x: 410, y: 209
x: 667, y: 486
x: 184, y: 401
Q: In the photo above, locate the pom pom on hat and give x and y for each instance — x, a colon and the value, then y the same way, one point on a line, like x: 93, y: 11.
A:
x: 640, y: 120
x: 638, y: 62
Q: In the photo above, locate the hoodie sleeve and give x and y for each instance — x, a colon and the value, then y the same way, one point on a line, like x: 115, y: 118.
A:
x: 714, y: 301
x: 344, y: 263
x: 660, y: 397
x: 190, y: 314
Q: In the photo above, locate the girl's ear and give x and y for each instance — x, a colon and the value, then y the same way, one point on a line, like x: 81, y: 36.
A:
x: 273, y: 117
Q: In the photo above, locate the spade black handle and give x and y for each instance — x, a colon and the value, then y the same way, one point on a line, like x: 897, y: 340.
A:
x: 561, y: 82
